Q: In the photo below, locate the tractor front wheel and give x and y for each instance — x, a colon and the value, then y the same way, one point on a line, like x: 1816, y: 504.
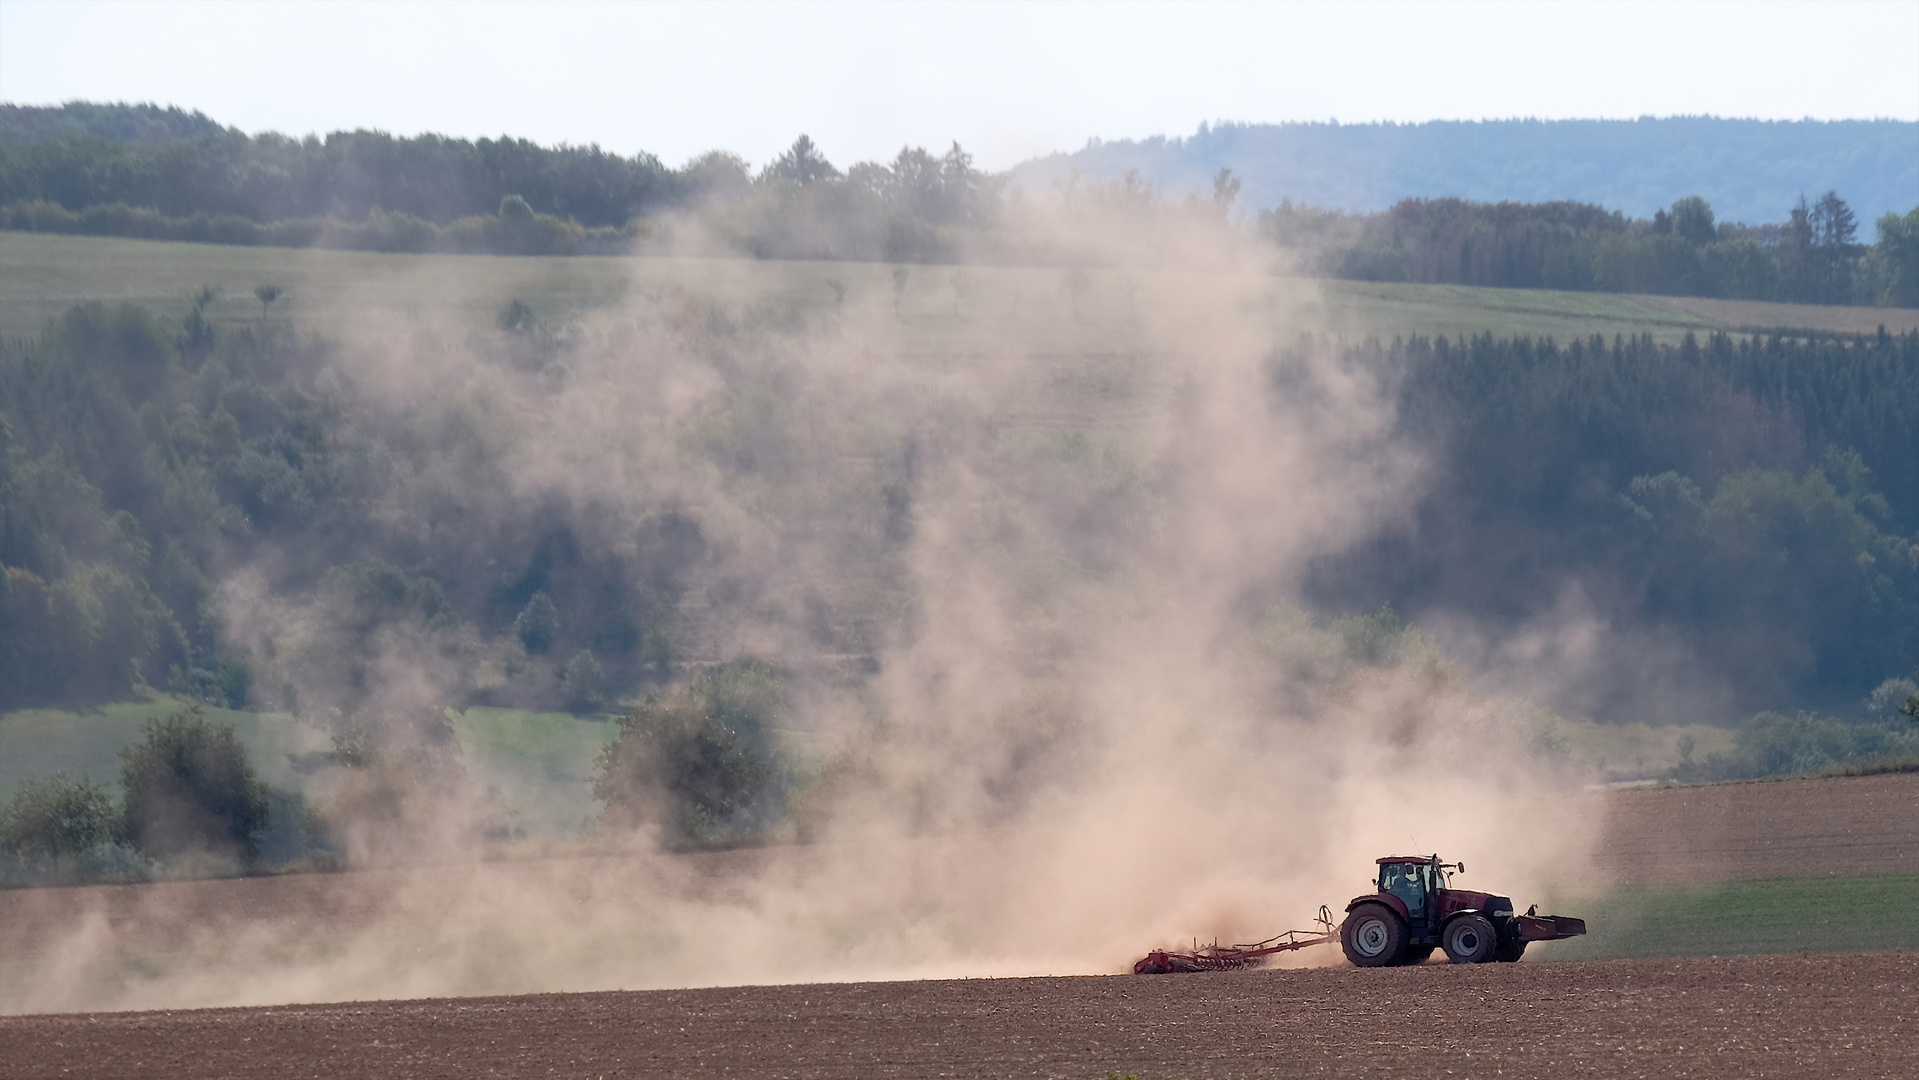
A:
x: 1373, y: 936
x: 1469, y: 939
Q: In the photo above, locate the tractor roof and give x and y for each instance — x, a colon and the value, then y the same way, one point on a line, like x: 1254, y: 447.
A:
x: 1405, y: 858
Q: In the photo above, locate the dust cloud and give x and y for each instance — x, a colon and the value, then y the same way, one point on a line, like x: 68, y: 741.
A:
x: 1028, y: 538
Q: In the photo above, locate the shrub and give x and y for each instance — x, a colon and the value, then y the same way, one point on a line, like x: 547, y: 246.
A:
x: 583, y: 683
x: 1889, y: 699
x: 1773, y: 744
x: 59, y: 817
x: 225, y: 686
x: 698, y: 760
x: 190, y: 788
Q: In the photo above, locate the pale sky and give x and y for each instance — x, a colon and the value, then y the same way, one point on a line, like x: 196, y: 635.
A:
x: 1008, y: 81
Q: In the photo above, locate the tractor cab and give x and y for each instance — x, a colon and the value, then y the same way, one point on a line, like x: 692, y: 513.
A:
x: 1416, y: 881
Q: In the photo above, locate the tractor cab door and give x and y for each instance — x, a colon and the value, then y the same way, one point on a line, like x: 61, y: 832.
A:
x: 1408, y: 882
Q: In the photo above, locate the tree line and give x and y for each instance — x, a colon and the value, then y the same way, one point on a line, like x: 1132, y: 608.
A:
x: 83, y: 155
x: 1816, y: 256
x: 1748, y: 500
x: 1751, y: 169
x: 138, y: 171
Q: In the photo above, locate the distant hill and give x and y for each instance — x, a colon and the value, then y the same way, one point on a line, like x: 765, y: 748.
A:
x: 1749, y: 170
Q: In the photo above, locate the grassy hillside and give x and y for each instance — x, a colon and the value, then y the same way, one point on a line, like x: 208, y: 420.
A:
x: 34, y: 742
x: 42, y: 276
x: 794, y: 421
x: 1837, y: 913
x: 541, y: 763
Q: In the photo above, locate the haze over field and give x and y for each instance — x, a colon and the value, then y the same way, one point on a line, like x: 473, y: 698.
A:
x: 1083, y: 604
x: 951, y: 579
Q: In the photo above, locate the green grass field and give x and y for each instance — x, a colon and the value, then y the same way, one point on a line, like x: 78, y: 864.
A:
x: 1633, y: 751
x: 541, y: 763
x: 35, y: 742
x: 43, y: 275
x: 1837, y: 913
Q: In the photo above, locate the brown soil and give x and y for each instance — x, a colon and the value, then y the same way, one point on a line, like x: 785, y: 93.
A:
x: 1763, y: 829
x: 1802, y: 1016
x: 1749, y: 1016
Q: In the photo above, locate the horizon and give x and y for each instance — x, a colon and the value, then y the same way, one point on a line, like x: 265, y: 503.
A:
x: 1204, y: 128
x: 677, y: 80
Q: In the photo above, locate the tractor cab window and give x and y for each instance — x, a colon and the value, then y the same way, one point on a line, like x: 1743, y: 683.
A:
x: 1406, y: 881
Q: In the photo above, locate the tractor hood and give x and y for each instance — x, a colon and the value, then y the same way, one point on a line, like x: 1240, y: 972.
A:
x: 1452, y: 900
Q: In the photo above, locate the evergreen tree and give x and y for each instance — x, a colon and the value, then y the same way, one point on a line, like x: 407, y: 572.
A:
x: 1832, y: 221
x: 1800, y: 276
x: 802, y: 164
x: 538, y: 624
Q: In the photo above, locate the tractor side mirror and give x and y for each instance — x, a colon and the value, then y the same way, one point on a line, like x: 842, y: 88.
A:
x: 1462, y: 868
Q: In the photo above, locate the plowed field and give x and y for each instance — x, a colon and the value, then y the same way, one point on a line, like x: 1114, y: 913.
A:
x: 1795, y: 1015
x: 1800, y: 1016
x: 1763, y: 829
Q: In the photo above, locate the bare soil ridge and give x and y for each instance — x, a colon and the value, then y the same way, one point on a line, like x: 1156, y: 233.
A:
x: 1796, y: 1016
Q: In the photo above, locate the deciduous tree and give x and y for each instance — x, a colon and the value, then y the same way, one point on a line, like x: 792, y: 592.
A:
x: 189, y: 787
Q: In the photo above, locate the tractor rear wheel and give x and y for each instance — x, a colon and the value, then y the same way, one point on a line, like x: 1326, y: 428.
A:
x: 1509, y: 951
x: 1469, y: 939
x: 1373, y: 936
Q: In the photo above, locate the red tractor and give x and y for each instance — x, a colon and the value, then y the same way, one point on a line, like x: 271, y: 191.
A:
x: 1416, y: 910
x: 1413, y: 913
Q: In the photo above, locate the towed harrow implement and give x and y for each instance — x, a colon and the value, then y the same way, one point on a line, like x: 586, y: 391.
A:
x: 1217, y: 957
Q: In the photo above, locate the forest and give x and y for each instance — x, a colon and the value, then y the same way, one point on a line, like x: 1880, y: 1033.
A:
x: 696, y: 510
x: 137, y: 460
x: 1816, y: 256
x: 1747, y: 500
x: 1750, y: 169
x: 143, y: 171
x: 229, y: 513
x: 1747, y: 495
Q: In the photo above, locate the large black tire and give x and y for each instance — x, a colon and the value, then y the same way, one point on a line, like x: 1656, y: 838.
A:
x: 1373, y: 936
x: 1469, y: 939
x: 1509, y: 952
